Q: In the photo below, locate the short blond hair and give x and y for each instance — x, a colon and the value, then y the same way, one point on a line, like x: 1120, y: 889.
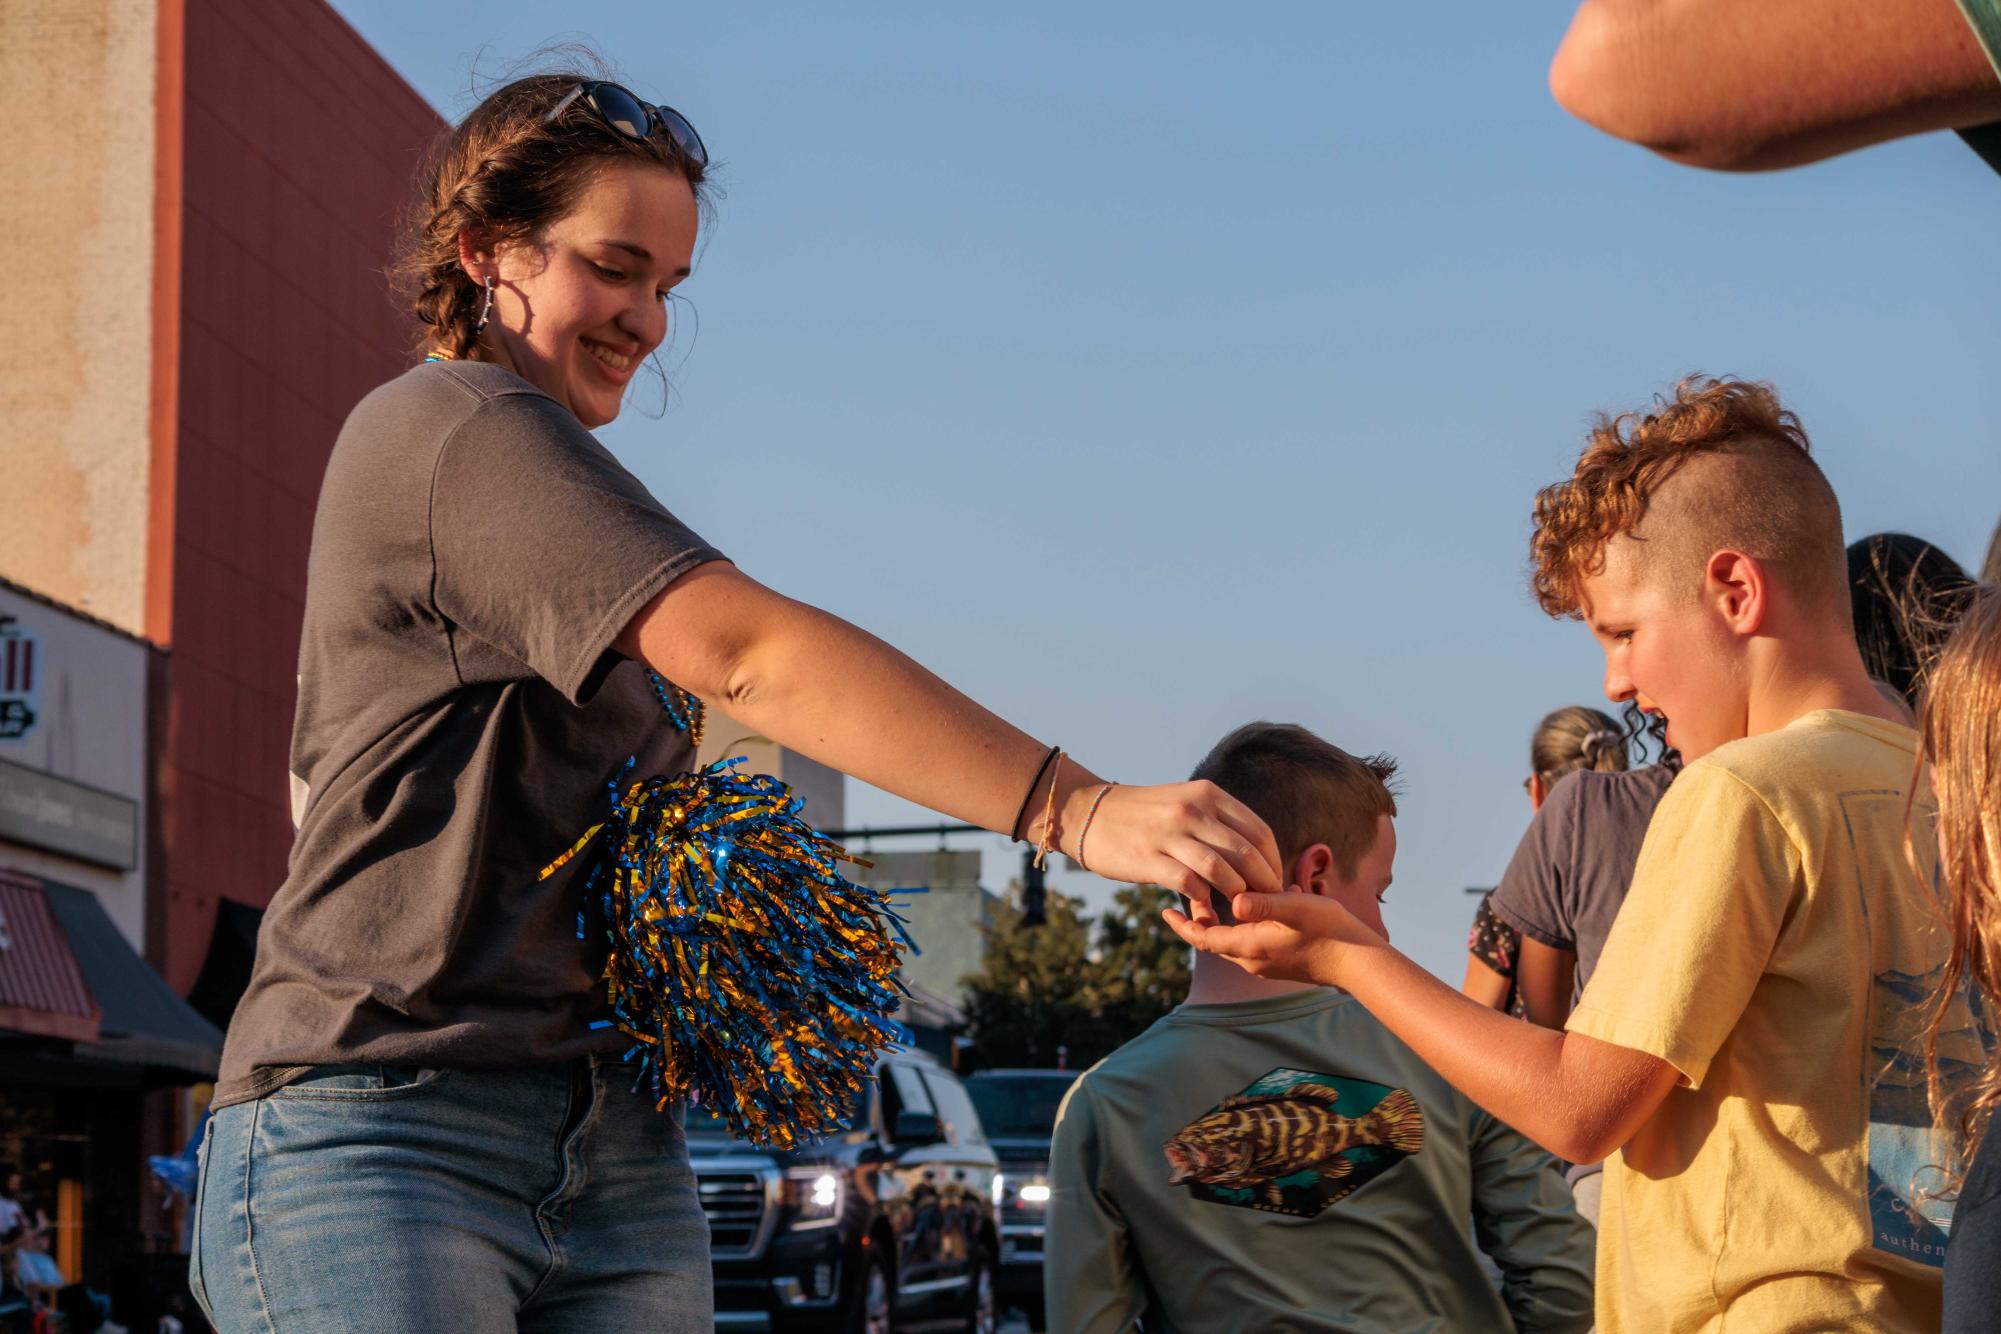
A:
x: 1747, y: 482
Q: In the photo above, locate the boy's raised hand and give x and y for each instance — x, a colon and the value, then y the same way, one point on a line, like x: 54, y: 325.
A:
x: 1299, y: 937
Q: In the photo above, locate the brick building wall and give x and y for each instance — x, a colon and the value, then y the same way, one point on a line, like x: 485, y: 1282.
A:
x: 297, y: 147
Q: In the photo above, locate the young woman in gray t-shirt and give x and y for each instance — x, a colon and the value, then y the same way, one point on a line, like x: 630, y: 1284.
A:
x: 422, y: 1121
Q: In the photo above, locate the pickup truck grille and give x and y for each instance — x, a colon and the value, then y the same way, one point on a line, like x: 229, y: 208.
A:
x: 734, y: 1204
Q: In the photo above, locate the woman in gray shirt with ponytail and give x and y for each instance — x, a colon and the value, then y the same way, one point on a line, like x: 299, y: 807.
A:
x: 425, y: 1119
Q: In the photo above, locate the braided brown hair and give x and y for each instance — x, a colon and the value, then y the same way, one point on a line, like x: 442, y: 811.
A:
x: 502, y: 174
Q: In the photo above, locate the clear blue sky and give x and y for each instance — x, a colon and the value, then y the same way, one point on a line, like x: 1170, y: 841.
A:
x: 1145, y: 369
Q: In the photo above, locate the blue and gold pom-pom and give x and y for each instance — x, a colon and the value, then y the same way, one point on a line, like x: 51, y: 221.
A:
x: 755, y: 976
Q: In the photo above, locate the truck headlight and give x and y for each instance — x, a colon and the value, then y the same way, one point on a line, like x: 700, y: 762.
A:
x: 1035, y: 1194
x: 813, y: 1196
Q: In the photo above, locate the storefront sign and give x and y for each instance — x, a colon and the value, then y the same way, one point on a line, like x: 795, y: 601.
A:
x: 20, y: 679
x: 57, y: 815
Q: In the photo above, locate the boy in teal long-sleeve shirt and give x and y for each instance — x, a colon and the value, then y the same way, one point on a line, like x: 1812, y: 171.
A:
x: 1269, y: 1157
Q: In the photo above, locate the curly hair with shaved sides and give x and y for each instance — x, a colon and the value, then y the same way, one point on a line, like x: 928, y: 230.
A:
x: 1749, y: 483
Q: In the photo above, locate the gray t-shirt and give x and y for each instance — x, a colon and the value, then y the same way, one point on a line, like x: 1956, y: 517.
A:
x: 461, y: 710
x: 1572, y: 868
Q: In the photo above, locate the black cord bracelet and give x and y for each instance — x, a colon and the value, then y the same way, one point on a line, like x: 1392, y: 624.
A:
x: 1013, y: 830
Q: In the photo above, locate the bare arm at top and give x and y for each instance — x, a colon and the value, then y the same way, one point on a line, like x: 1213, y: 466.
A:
x: 1751, y: 87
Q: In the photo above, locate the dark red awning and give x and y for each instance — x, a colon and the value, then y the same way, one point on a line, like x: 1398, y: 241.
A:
x: 42, y: 987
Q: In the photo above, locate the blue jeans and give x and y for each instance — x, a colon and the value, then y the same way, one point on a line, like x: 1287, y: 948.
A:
x: 387, y: 1198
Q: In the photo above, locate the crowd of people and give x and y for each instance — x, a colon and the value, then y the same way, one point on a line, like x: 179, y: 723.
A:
x: 36, y: 1297
x: 1742, y: 997
x: 29, y: 1275
x: 1741, y: 992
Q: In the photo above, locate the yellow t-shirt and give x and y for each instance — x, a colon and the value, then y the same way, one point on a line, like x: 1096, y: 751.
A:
x: 1777, y: 949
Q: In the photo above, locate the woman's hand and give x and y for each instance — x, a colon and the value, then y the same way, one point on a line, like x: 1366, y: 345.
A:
x: 1187, y: 837
x: 1298, y: 937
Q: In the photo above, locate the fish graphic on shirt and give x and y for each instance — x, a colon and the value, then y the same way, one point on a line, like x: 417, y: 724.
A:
x: 1254, y: 1140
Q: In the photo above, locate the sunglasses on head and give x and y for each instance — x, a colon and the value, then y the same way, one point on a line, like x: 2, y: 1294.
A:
x: 621, y: 109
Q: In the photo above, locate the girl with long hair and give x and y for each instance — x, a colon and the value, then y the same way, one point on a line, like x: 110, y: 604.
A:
x: 1959, y: 728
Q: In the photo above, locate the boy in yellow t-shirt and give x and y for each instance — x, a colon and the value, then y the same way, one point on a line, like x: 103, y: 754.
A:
x: 1749, y: 1042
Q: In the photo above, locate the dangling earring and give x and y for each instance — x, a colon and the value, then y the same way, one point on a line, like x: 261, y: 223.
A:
x: 485, y: 309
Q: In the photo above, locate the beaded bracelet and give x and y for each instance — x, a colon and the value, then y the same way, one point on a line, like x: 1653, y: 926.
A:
x: 1014, y: 830
x: 1091, y: 815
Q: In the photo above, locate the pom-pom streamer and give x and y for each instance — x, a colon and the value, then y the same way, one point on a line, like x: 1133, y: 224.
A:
x: 756, y: 978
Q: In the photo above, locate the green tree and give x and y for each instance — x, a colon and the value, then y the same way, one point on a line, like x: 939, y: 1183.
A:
x: 1050, y: 990
x: 1141, y: 967
x: 1030, y: 997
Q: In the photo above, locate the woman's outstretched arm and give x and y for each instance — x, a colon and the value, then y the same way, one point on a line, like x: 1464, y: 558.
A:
x: 835, y: 693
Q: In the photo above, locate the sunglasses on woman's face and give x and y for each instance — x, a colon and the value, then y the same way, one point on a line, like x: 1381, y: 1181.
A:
x: 618, y: 107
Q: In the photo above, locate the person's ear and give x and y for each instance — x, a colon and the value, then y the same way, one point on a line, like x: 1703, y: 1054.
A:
x: 1538, y: 792
x: 1313, y: 871
x: 475, y: 257
x: 1738, y: 588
